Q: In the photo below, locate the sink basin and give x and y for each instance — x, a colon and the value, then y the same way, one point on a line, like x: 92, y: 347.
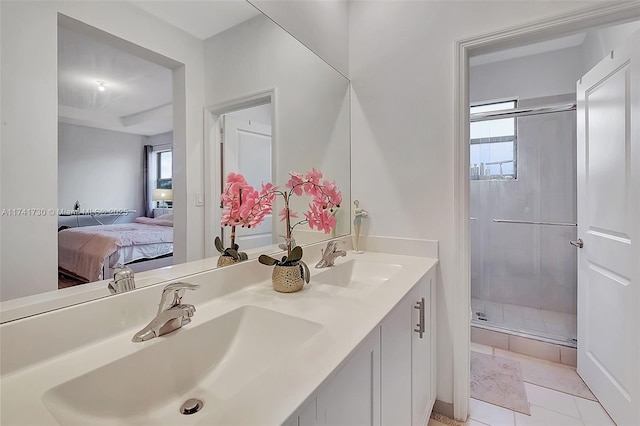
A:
x: 211, y: 361
x: 357, y: 273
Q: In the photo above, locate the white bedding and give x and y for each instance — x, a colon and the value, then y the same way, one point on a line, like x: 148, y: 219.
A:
x: 130, y: 254
x: 83, y: 251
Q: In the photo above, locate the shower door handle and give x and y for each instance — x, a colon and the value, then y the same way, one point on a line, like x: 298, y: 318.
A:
x: 578, y: 243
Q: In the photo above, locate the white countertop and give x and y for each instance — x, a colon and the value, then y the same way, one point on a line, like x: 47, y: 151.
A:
x: 346, y: 315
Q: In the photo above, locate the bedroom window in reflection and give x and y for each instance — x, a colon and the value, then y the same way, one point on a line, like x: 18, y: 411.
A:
x: 493, y: 144
x: 165, y: 167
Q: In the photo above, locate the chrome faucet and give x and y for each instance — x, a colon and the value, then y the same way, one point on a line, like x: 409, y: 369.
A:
x: 329, y: 254
x: 171, y: 313
x: 123, y: 279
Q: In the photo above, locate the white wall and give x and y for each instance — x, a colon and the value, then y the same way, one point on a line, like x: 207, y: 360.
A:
x: 162, y: 139
x: 402, y: 72
x: 311, y: 106
x: 600, y: 42
x: 321, y: 25
x: 29, y: 150
x: 100, y: 168
x: 29, y: 131
x: 545, y: 74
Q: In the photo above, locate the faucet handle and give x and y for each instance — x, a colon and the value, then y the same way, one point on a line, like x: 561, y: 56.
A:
x: 332, y: 246
x: 172, y: 293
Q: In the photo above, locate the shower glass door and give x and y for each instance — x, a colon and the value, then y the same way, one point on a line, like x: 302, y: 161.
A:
x: 523, y: 215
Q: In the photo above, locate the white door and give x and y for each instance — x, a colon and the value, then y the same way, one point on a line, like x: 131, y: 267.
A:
x: 608, y: 108
x: 247, y: 150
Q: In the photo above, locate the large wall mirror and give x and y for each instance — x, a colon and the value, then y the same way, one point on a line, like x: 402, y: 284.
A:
x: 112, y: 115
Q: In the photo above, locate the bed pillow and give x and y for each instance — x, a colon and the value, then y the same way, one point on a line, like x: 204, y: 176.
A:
x: 155, y: 221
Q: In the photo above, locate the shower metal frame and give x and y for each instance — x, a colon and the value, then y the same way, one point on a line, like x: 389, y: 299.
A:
x: 520, y: 112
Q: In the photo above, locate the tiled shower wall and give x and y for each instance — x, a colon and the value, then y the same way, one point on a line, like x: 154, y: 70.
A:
x: 529, y: 265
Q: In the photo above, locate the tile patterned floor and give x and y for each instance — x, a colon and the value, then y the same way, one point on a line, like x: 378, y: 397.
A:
x: 548, y: 408
x: 522, y: 318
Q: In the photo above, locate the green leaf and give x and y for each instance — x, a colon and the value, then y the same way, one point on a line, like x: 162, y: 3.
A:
x: 296, y: 254
x: 218, y: 243
x: 306, y: 274
x: 243, y: 255
x: 267, y: 260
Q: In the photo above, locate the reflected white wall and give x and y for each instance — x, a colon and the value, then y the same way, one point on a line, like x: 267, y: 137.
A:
x: 311, y: 103
x: 96, y: 167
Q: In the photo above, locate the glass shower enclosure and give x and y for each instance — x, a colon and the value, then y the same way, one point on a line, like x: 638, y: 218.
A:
x: 523, y: 215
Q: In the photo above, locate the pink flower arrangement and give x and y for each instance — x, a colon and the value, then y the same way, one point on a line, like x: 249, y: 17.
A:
x: 325, y: 197
x: 243, y: 204
x: 246, y: 206
x: 239, y: 199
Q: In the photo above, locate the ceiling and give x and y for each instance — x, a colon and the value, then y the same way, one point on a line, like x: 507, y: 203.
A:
x: 201, y: 19
x: 138, y: 93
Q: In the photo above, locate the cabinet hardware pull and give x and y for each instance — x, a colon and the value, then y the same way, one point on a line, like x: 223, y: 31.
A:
x: 421, y: 325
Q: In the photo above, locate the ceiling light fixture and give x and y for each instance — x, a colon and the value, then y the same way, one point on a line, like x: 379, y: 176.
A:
x: 101, y: 86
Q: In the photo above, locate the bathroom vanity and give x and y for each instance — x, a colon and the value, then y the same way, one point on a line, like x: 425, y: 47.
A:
x: 355, y: 346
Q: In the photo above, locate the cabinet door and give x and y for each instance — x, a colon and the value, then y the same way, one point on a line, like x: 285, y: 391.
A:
x: 352, y: 396
x: 291, y: 421
x: 308, y: 416
x: 421, y: 355
x: 396, y: 335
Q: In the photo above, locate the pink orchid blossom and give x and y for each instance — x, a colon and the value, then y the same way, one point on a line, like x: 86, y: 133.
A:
x: 283, y: 214
x: 295, y: 183
x: 238, y: 201
x: 246, y: 206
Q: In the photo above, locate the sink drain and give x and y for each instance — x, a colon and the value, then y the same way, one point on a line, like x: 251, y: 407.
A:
x: 191, y: 406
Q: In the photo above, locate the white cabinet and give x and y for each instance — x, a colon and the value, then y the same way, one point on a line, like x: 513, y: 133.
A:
x: 423, y: 354
x: 352, y: 396
x: 306, y: 416
x: 390, y: 378
x: 396, y: 335
x: 407, y: 358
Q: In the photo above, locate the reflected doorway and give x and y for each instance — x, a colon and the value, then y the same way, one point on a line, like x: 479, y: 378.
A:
x: 246, y: 148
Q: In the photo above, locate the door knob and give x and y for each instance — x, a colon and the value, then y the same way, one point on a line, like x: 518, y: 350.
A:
x: 578, y: 243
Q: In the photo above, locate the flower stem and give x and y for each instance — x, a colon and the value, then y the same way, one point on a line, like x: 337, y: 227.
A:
x: 288, y: 223
x: 233, y: 227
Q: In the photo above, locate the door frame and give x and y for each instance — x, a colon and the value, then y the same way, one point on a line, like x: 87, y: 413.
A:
x: 556, y: 26
x: 212, y: 158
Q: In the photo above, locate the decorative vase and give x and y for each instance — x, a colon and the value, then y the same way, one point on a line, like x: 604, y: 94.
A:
x: 227, y: 260
x: 288, y: 278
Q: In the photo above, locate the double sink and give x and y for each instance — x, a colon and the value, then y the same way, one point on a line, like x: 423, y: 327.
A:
x: 211, y: 361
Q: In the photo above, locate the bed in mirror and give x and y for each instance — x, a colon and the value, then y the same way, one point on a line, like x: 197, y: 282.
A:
x: 112, y: 123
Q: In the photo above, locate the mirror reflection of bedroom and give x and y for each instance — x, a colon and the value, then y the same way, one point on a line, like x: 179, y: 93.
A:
x: 115, y: 122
